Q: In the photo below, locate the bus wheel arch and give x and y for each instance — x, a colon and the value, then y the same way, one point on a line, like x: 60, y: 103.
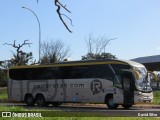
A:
x: 29, y: 100
x: 40, y: 100
x: 109, y: 101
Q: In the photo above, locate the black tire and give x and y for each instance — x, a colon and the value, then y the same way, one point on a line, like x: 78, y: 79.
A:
x: 40, y: 100
x: 29, y: 100
x: 56, y: 104
x: 126, y: 106
x: 110, y: 104
x: 47, y: 104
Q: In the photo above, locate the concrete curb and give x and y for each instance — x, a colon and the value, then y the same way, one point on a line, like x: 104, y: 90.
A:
x: 150, y: 106
x: 147, y: 106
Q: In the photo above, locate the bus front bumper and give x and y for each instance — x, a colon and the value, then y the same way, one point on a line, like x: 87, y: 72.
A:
x: 143, y: 97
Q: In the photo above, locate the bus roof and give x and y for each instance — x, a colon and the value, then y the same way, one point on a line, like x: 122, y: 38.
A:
x: 136, y: 64
x: 81, y: 62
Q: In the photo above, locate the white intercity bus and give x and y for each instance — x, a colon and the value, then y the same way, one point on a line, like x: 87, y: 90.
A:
x: 112, y: 82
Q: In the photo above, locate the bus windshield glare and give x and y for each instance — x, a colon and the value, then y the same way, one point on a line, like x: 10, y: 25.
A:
x: 143, y: 83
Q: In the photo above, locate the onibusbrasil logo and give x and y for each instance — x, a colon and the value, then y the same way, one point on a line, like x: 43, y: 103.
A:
x: 96, y: 86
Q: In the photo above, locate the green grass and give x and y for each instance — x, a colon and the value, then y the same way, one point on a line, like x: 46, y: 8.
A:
x: 13, y: 108
x: 21, y: 109
x: 83, y: 118
x: 3, y: 95
x: 156, y: 98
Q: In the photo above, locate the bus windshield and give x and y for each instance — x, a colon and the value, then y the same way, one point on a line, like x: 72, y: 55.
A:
x: 143, y: 82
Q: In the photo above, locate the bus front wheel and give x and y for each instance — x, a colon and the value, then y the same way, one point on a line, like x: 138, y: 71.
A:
x: 126, y: 106
x: 110, y: 103
x: 29, y: 100
x: 40, y: 100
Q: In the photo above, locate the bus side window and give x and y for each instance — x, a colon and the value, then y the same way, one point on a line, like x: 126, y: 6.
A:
x: 49, y: 75
x: 117, y: 81
x: 78, y: 72
x: 99, y: 71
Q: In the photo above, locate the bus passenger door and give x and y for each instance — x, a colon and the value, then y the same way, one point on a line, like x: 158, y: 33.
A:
x: 117, y: 90
x: 128, y: 88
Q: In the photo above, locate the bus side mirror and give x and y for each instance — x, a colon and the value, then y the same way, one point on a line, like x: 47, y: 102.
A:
x: 153, y: 76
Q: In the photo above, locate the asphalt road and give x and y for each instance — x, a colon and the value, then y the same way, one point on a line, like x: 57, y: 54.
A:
x: 90, y: 110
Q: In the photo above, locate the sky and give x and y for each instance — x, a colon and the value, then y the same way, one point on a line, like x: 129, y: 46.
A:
x: 134, y: 23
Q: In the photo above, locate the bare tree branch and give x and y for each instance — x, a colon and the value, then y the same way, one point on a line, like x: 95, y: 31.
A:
x: 90, y: 43
x: 20, y: 57
x: 59, y: 5
x: 13, y: 45
x: 25, y: 43
x: 97, y: 45
x: 54, y: 51
x: 64, y: 6
x: 68, y: 18
x: 105, y: 43
x: 19, y: 45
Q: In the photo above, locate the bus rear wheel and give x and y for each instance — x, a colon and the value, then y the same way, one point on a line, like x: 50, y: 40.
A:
x: 40, y: 100
x: 29, y: 100
x: 56, y: 104
x: 110, y: 103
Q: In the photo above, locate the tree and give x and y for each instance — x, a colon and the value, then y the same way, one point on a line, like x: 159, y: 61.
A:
x: 3, y: 78
x: 3, y: 75
x: 53, y: 51
x: 97, y: 48
x: 59, y: 6
x: 92, y: 56
x: 20, y: 57
x: 5, y: 64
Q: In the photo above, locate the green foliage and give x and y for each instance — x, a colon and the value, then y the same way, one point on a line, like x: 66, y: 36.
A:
x: 21, y: 59
x: 49, y: 59
x: 156, y: 97
x: 92, y: 56
x: 3, y: 78
x: 3, y: 95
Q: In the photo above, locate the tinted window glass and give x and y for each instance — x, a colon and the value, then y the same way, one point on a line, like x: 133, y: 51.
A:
x: 86, y: 71
x: 118, y: 81
x: 18, y: 74
x: 66, y: 72
x: 100, y: 71
x: 118, y: 67
x: 33, y: 73
x: 79, y: 72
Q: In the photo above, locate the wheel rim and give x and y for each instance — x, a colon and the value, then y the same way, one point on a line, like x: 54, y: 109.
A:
x: 29, y: 100
x: 111, y: 102
x: 40, y: 101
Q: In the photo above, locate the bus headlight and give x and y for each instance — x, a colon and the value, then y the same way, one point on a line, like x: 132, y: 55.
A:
x: 139, y: 93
